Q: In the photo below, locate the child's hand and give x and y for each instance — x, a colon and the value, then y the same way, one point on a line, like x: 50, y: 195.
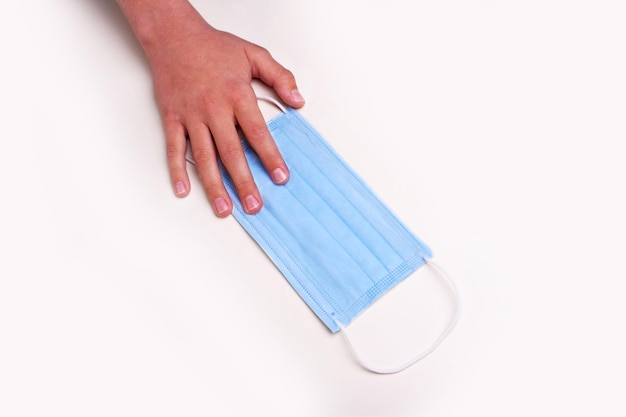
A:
x: 202, y: 79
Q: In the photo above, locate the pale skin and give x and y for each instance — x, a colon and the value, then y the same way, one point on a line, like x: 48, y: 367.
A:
x: 203, y: 85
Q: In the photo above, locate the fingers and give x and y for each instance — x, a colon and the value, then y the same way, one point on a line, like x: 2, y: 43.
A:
x: 231, y: 154
x: 276, y: 76
x: 221, y: 141
x: 255, y: 129
x: 176, y: 145
x: 205, y: 157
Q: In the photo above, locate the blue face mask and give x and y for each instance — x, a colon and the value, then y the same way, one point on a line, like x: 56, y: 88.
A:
x: 336, y: 243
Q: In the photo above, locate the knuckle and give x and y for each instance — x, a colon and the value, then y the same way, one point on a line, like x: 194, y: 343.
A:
x: 230, y: 152
x: 171, y: 120
x: 239, y: 94
x: 285, y: 75
x: 258, y: 133
x: 169, y: 115
x: 260, y: 50
x: 245, y: 185
x: 171, y: 151
x: 210, y: 102
x: 203, y: 156
x: 214, y: 188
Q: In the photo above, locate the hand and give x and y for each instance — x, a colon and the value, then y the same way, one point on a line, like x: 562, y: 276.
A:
x: 202, y: 80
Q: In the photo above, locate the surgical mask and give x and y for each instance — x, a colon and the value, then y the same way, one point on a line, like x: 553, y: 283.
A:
x: 332, y: 238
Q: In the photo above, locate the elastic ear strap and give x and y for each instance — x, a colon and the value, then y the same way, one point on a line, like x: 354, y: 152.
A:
x: 425, y: 353
x: 273, y: 101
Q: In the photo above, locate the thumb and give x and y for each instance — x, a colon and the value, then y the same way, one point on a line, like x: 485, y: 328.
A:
x: 276, y: 76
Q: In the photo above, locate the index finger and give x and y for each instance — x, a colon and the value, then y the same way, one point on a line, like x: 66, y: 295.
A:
x: 258, y: 135
x: 231, y: 154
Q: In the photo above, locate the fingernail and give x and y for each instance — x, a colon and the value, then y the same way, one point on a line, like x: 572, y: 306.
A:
x: 251, y: 203
x: 279, y: 176
x: 221, y: 206
x: 295, y: 94
x: 181, y: 188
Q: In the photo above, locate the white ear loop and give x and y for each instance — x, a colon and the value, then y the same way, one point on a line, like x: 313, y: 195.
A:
x: 273, y: 101
x: 426, y: 352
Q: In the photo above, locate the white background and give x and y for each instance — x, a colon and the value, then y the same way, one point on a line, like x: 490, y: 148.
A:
x: 494, y: 129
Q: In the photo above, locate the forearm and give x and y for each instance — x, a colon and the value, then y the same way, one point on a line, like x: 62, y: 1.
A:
x: 156, y: 23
